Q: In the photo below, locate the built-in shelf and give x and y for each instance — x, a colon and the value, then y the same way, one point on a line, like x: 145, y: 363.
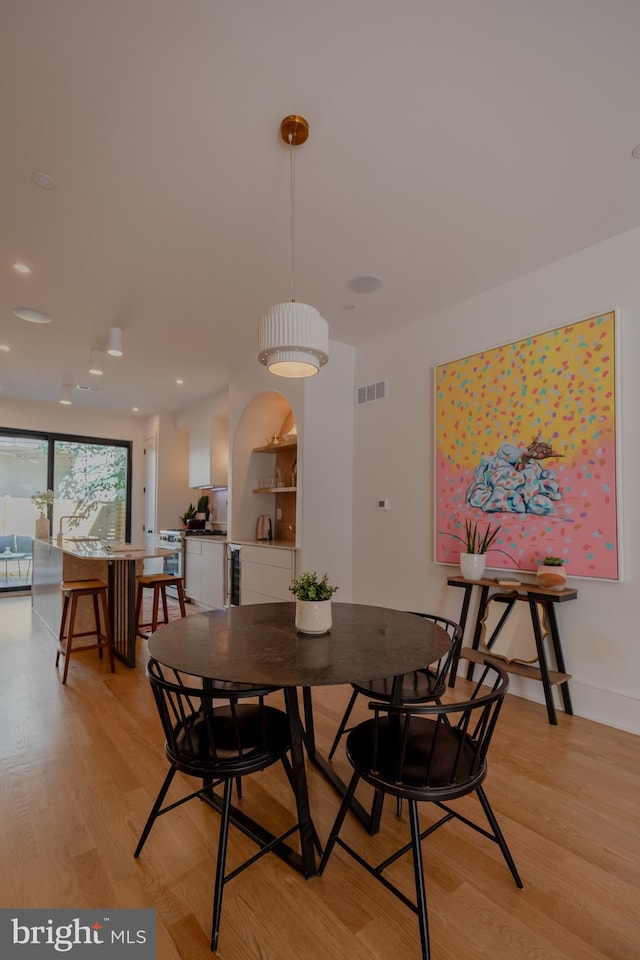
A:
x: 266, y: 490
x: 275, y: 447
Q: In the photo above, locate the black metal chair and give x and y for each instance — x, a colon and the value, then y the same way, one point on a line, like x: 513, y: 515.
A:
x: 419, y: 686
x: 432, y: 753
x: 217, y: 744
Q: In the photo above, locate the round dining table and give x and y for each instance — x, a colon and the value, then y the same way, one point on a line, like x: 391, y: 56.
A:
x: 258, y: 644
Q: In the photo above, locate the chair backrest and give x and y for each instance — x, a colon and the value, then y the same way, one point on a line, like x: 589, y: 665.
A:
x: 24, y: 544
x: 207, y: 729
x: 431, y: 752
x: 439, y: 671
x: 8, y: 542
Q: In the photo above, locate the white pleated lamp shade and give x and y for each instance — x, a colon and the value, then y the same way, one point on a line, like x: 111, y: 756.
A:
x: 293, y: 340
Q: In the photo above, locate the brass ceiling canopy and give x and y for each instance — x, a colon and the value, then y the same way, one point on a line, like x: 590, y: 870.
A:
x: 295, y: 127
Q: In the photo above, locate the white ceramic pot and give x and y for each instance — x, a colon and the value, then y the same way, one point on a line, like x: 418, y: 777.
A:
x: 313, y: 617
x: 472, y: 565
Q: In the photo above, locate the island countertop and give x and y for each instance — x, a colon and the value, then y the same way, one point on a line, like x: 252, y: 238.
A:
x: 91, y: 548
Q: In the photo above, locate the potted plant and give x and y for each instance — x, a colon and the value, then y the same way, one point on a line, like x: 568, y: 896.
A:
x: 313, y: 603
x: 551, y: 573
x: 43, y: 503
x: 202, y: 510
x: 474, y: 561
x: 189, y: 514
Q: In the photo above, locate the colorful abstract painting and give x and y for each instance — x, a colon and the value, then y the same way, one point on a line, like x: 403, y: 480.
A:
x: 526, y: 438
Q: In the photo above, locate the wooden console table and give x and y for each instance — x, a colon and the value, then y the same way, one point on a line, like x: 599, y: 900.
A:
x: 535, y: 596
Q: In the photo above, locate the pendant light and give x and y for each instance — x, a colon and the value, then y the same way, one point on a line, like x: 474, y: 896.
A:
x: 293, y: 339
x: 95, y: 363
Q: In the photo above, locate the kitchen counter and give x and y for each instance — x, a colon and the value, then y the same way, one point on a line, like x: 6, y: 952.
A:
x: 269, y: 544
x: 88, y: 559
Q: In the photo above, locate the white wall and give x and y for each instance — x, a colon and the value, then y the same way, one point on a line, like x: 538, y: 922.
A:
x: 31, y: 415
x: 323, y: 410
x: 393, y: 444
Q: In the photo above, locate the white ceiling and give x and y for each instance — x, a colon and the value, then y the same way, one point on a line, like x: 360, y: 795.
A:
x: 454, y: 145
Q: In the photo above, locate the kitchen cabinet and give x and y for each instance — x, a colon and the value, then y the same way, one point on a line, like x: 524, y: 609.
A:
x: 209, y: 451
x: 205, y: 567
x: 265, y: 573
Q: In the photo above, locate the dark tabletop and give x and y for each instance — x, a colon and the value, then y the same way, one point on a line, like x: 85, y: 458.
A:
x: 258, y: 643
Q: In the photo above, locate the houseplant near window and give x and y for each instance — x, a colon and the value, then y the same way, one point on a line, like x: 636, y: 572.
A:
x: 313, y: 603
x: 551, y: 573
x: 43, y: 503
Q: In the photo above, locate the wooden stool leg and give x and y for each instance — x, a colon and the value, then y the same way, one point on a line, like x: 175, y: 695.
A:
x: 139, y: 611
x: 156, y: 603
x: 72, y: 626
x: 107, y: 630
x: 165, y: 610
x: 96, y: 617
x: 183, y: 609
x: 65, y: 609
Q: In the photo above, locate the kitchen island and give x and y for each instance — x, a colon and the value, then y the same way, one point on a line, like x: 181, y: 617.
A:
x: 86, y: 558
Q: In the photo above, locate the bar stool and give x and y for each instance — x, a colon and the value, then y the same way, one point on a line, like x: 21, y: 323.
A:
x: 72, y: 590
x: 159, y: 582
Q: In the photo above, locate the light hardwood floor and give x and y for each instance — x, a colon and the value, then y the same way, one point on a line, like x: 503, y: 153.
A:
x: 80, y: 766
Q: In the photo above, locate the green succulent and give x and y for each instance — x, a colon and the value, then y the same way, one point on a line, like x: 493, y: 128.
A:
x: 308, y: 587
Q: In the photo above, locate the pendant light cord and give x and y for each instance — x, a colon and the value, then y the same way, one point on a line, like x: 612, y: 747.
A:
x: 292, y: 165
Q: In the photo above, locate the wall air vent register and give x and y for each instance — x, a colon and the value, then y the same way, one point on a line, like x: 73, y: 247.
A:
x: 372, y: 392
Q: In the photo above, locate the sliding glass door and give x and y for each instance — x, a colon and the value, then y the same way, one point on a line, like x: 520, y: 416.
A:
x: 91, y: 483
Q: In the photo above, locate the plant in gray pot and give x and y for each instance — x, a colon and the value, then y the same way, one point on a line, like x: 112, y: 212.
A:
x: 313, y: 603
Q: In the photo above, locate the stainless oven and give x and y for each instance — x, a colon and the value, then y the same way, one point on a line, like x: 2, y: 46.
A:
x: 173, y: 564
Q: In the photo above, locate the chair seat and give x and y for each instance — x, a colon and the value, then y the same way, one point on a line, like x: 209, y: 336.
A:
x: 454, y: 751
x: 417, y: 686
x: 82, y: 586
x: 151, y: 579
x: 263, y: 731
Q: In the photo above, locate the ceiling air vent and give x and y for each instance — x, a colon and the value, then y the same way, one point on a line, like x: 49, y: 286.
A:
x: 372, y: 391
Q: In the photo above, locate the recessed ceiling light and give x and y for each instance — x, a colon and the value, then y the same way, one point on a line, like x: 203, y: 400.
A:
x: 135, y: 409
x: 32, y: 315
x: 4, y: 347
x: 21, y: 268
x: 364, y: 284
x: 43, y: 180
x: 179, y: 382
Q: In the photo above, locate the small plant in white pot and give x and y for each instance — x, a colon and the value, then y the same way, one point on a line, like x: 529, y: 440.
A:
x: 551, y: 573
x: 313, y: 603
x: 474, y: 560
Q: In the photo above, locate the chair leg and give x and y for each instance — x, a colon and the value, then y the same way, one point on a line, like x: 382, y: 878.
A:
x: 498, y: 834
x: 343, y: 723
x: 156, y: 604
x: 335, y: 830
x: 418, y: 873
x: 139, y: 611
x: 155, y: 810
x: 220, y: 865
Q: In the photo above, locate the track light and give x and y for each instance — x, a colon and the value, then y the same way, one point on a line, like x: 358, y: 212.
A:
x: 115, y: 342
x: 95, y: 364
